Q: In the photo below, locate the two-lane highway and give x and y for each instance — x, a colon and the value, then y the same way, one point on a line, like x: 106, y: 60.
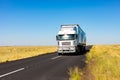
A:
x: 45, y: 67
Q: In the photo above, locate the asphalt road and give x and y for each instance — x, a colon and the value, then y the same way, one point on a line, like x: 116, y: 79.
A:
x: 45, y: 67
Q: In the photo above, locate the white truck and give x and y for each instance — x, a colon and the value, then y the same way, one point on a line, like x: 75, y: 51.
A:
x: 71, y: 39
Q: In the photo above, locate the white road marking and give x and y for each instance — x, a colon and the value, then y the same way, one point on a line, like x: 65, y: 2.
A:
x: 11, y: 72
x: 56, y: 57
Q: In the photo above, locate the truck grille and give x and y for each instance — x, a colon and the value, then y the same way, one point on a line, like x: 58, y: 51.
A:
x: 65, y: 43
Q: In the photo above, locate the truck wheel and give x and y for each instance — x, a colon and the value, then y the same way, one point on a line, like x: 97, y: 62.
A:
x: 84, y: 49
x: 59, y: 54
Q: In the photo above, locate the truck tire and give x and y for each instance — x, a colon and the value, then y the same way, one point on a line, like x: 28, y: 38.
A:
x: 79, y: 48
x: 59, y: 54
x: 83, y: 49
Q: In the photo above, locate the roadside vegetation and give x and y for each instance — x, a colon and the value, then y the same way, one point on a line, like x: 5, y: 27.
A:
x: 10, y: 53
x: 75, y: 73
x: 103, y: 63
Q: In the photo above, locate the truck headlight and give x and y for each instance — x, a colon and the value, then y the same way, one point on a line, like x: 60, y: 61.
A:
x: 72, y: 47
x: 59, y: 48
x: 74, y: 42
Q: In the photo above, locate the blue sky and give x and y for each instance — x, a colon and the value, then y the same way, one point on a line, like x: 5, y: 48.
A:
x: 36, y: 22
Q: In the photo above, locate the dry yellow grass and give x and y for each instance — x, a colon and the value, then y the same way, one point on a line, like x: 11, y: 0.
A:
x: 10, y: 53
x: 103, y: 62
x: 75, y: 73
x: 106, y: 59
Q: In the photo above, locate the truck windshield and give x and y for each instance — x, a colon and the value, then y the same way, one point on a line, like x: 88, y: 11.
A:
x: 66, y: 37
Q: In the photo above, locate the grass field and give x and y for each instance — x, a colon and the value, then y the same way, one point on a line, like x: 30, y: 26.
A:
x: 10, y: 53
x: 103, y: 63
x: 75, y: 73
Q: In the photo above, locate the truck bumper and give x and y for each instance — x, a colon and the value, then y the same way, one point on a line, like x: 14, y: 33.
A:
x: 66, y: 50
x: 70, y: 49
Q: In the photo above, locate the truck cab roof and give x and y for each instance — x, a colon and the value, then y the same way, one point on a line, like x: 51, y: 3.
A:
x: 67, y: 32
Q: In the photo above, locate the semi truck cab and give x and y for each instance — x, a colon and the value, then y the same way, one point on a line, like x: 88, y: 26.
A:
x: 68, y: 39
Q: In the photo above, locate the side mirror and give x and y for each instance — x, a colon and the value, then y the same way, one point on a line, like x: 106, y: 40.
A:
x: 76, y: 36
x: 56, y: 37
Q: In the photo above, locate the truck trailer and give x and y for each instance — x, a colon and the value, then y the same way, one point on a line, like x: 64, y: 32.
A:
x: 71, y: 39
